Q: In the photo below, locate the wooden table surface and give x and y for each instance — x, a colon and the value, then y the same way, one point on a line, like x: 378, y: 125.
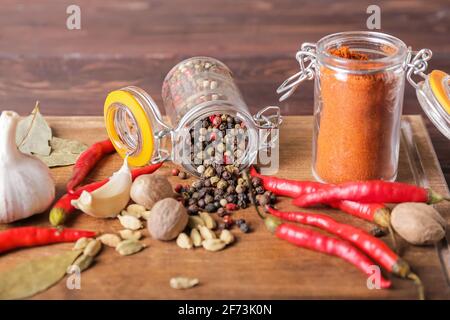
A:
x: 257, y: 266
x: 137, y: 42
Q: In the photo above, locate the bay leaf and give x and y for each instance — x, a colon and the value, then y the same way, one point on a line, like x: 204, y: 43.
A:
x: 59, y: 159
x: 67, y: 145
x: 33, y: 134
x: 37, y: 275
x: 64, y: 152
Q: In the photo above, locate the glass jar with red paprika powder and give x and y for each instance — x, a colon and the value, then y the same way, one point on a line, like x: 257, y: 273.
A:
x: 358, y: 97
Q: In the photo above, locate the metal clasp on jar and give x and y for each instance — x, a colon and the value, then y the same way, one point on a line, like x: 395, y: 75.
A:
x: 306, y: 58
x: 268, y: 120
x: 417, y: 65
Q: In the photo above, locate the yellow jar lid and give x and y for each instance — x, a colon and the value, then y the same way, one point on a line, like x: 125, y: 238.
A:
x: 143, y: 151
x: 439, y: 83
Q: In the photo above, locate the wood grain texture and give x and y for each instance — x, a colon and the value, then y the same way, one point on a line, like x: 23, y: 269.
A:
x: 137, y: 42
x: 257, y: 265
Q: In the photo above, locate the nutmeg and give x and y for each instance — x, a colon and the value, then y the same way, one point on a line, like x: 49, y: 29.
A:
x: 418, y: 223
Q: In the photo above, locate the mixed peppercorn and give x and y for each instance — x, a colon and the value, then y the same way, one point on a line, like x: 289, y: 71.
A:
x: 217, y: 149
x: 223, y: 189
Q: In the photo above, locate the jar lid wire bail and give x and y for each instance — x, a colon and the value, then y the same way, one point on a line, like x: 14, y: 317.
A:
x: 306, y: 58
x: 417, y: 65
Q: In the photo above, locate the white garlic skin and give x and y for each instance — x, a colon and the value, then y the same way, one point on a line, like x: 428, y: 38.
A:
x: 26, y: 186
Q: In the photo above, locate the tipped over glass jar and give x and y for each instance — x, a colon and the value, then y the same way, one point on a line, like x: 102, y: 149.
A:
x: 358, y: 98
x: 209, y: 122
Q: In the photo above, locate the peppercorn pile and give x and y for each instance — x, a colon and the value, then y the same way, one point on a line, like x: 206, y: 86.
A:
x: 219, y: 139
x: 218, y: 145
x: 223, y: 189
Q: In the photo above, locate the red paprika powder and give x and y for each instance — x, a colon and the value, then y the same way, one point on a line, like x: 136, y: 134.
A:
x: 359, y: 115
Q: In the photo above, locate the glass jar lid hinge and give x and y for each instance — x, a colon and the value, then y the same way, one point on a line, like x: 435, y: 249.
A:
x: 306, y: 58
x: 417, y: 65
x: 268, y: 120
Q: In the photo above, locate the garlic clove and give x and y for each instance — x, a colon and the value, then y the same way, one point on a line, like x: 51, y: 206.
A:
x: 110, y: 199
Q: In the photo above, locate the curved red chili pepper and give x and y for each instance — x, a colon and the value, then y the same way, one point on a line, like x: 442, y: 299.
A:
x: 286, y: 187
x: 87, y: 160
x: 373, y: 212
x: 376, y: 191
x: 373, y: 247
x: 36, y: 236
x: 313, y: 240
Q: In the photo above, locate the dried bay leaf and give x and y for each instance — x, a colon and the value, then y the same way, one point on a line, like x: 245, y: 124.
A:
x: 64, y: 152
x: 37, y: 275
x: 67, y: 145
x: 59, y: 159
x: 33, y: 134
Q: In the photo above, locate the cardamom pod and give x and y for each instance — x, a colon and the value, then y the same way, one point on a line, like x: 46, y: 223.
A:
x: 213, y: 244
x: 210, y: 223
x: 130, y: 222
x: 195, y: 221
x: 81, y: 243
x: 110, y: 239
x: 196, y: 238
x: 226, y: 236
x: 146, y: 214
x: 183, y: 241
x: 127, y: 234
x: 93, y: 248
x: 128, y: 247
x: 206, y: 233
x: 83, y: 262
x: 135, y: 210
x: 183, y: 282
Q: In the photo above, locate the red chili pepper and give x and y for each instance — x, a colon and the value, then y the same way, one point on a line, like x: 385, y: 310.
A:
x: 373, y: 247
x: 36, y: 236
x: 286, y: 187
x: 313, y: 240
x: 63, y: 206
x: 145, y: 170
x: 375, y: 191
x: 87, y: 160
x: 373, y: 212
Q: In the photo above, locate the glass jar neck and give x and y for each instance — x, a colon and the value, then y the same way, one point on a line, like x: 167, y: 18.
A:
x: 372, y: 52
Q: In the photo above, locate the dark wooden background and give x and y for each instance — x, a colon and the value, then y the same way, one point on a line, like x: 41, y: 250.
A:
x: 137, y: 42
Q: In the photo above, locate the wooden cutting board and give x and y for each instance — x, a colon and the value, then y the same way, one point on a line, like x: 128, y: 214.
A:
x: 257, y: 266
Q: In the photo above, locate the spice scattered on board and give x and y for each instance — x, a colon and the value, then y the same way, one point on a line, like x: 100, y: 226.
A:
x: 149, y: 189
x: 418, y: 223
x: 183, y: 282
x: 167, y: 219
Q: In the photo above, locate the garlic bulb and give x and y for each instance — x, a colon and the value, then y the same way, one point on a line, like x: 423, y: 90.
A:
x: 26, y: 186
x: 110, y: 199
